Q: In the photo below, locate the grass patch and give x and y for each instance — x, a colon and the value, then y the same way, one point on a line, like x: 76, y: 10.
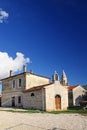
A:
x: 69, y: 111
x: 79, y: 111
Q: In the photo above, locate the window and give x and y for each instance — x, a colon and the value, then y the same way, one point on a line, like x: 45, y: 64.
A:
x: 32, y: 94
x: 14, y: 83
x: 19, y: 82
x: 19, y: 99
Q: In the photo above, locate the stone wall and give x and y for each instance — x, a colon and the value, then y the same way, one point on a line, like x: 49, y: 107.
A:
x: 7, y: 99
x: 33, y: 99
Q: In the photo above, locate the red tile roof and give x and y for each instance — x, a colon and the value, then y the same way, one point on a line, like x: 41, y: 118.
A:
x: 37, y: 87
x: 72, y: 87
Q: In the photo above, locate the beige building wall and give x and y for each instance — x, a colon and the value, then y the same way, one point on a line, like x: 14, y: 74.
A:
x: 50, y: 98
x: 77, y: 95
x: 51, y: 92
x: 35, y: 80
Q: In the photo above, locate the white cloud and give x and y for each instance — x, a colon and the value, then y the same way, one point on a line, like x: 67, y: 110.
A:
x: 3, y: 15
x: 7, y: 63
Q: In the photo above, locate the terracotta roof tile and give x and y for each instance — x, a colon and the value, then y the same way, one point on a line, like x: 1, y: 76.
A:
x: 72, y: 87
x: 37, y: 87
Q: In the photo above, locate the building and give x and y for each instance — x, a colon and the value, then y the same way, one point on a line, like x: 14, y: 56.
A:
x: 33, y: 91
x: 76, y: 94
x: 0, y: 99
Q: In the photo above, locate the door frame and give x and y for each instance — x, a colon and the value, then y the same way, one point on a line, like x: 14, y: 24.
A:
x: 13, y: 101
x: 58, y: 102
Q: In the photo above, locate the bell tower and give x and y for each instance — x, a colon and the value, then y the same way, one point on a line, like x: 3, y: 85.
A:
x: 64, y: 79
x: 55, y: 77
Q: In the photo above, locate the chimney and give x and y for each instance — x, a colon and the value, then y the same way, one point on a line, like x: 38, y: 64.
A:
x: 10, y: 73
x: 24, y: 68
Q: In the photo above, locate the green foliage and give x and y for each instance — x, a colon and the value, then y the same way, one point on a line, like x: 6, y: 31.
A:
x: 80, y: 111
x: 73, y: 110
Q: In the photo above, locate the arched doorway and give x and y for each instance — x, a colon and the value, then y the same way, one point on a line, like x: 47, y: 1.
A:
x: 58, y: 102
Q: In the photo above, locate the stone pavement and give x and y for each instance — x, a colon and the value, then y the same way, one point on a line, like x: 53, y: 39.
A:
x: 41, y: 121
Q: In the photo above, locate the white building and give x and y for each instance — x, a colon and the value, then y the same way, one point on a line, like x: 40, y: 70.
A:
x: 33, y: 91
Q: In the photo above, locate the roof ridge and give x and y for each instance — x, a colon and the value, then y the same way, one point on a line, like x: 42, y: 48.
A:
x: 72, y: 87
x: 37, y: 87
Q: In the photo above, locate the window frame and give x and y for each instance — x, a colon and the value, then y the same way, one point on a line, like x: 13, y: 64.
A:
x: 20, y: 83
x: 19, y: 100
x: 32, y: 94
x: 13, y: 83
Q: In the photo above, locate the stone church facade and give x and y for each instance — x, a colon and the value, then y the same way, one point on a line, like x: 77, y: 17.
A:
x: 49, y: 97
x: 28, y: 90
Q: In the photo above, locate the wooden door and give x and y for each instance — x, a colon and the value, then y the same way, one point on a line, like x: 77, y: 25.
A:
x: 13, y: 101
x: 58, y: 102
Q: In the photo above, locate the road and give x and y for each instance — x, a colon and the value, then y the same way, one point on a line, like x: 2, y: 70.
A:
x: 41, y: 121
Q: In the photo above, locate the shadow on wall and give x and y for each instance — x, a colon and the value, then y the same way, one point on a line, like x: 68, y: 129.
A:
x: 80, y: 99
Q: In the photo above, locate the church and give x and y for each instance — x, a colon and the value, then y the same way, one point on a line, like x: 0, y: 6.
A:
x: 32, y: 91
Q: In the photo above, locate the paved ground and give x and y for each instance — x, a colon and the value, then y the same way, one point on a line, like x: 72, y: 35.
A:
x: 41, y: 121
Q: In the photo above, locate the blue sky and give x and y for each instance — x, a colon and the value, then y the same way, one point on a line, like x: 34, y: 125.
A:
x: 52, y: 33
